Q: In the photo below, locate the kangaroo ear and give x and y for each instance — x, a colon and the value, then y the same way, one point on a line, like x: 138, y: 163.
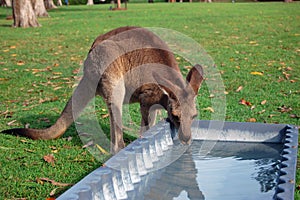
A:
x: 170, y: 82
x: 195, y: 77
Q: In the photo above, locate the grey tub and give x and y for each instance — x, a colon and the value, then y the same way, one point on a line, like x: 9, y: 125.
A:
x: 133, y: 172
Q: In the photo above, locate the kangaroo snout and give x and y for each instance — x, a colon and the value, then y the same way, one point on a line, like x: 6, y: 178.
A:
x: 184, y: 137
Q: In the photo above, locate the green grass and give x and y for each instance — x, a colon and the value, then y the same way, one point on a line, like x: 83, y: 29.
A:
x: 38, y: 68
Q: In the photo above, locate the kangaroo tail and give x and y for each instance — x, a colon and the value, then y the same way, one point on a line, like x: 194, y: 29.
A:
x: 80, y: 98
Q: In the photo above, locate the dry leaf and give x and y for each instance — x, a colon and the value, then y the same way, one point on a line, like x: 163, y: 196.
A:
x: 252, y: 42
x: 286, y: 75
x: 105, y: 116
x: 210, y: 109
x: 295, y: 116
x: 52, y: 193
x: 280, y: 79
x: 57, y: 88
x: 102, y: 150
x: 239, y: 88
x: 49, y: 159
x: 53, y: 182
x: 284, y: 109
x: 90, y: 143
x: 188, y: 67
x: 261, y: 112
x: 244, y: 102
x: 272, y: 115
x: 251, y: 120
x: 257, y: 73
x: 11, y: 122
x: 20, y: 63
x: 51, y: 198
x: 263, y: 102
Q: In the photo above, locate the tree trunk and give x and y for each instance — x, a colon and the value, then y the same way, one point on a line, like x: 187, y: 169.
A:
x: 49, y: 4
x: 118, y: 4
x: 23, y: 14
x: 90, y: 2
x: 59, y: 3
x: 8, y: 3
x: 5, y: 3
x: 39, y: 8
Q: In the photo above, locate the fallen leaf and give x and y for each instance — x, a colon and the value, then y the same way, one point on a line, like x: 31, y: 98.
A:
x: 286, y: 75
x: 210, y: 109
x: 20, y: 63
x: 257, y: 73
x: 105, y: 116
x: 52, y: 193
x: 239, y: 89
x: 263, y: 102
x: 261, y: 112
x: 295, y: 116
x: 90, y: 143
x: 49, y: 159
x: 284, y: 109
x: 53, y: 149
x: 188, y: 67
x: 251, y: 120
x: 57, y: 88
x: 11, y: 122
x: 75, y: 71
x: 4, y: 79
x: 53, y: 182
x: 102, y: 150
x: 280, y: 79
x: 51, y: 198
x: 244, y: 102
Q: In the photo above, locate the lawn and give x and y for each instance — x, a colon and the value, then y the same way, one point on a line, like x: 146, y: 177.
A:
x: 255, y: 47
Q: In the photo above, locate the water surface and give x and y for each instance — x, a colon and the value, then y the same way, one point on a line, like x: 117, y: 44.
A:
x: 231, y: 170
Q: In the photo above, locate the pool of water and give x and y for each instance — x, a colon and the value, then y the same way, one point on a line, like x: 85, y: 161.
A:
x: 239, y: 162
x: 231, y: 170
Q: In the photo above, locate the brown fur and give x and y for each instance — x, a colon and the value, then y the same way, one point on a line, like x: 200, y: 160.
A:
x: 124, y: 66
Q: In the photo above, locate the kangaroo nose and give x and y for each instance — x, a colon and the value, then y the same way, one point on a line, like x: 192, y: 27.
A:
x: 186, y: 142
x: 184, y: 139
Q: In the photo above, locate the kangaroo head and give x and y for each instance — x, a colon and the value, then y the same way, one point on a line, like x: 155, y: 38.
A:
x: 181, y: 100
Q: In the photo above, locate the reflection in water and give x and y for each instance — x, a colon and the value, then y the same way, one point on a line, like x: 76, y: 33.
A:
x: 230, y: 171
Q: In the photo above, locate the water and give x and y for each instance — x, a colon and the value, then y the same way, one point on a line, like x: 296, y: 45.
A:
x: 231, y: 170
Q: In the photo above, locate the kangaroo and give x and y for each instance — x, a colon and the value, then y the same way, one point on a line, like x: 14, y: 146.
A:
x: 130, y: 65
